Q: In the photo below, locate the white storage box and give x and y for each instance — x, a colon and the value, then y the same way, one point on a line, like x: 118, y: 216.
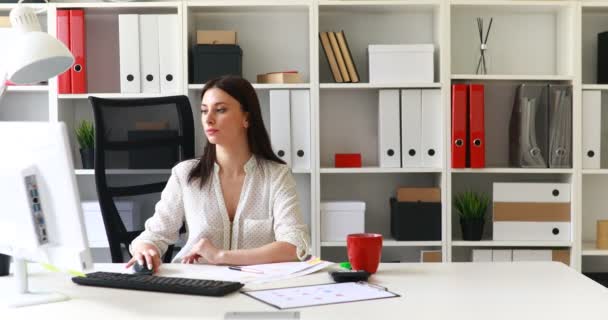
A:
x: 341, y: 218
x: 96, y: 232
x: 401, y: 63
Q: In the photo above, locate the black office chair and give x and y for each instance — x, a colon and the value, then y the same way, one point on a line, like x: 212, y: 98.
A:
x: 150, y: 133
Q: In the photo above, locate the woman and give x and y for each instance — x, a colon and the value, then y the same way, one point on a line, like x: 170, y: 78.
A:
x: 238, y: 199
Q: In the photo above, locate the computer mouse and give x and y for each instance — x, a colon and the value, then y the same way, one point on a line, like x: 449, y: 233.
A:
x: 142, y: 270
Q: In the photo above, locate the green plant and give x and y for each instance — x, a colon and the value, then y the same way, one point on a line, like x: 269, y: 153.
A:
x: 471, y: 205
x: 85, y: 133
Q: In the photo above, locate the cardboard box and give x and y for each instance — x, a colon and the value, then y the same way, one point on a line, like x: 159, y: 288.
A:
x: 5, y: 22
x: 561, y: 255
x: 215, y: 37
x: 280, y: 77
x: 419, y: 194
x: 151, y: 125
x: 430, y: 256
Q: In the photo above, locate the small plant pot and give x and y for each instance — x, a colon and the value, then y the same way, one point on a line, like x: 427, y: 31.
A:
x: 88, y: 158
x: 472, y: 229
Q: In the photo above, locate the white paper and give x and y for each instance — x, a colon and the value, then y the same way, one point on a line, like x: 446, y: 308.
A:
x: 270, y: 272
x: 307, y: 296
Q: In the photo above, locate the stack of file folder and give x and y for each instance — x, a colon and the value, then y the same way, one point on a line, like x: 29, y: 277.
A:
x: 540, y: 130
x: 72, y: 32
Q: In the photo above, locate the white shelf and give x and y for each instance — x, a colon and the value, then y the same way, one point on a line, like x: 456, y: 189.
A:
x: 589, y: 249
x: 343, y: 86
x: 239, y: 4
x: 595, y: 171
x: 263, y: 86
x: 508, y: 77
x: 514, y: 170
x: 492, y: 243
x: 389, y: 243
x: 90, y: 172
x: 43, y: 88
x: 85, y: 96
x: 595, y: 86
x: 117, y: 5
x: 9, y: 6
x: 381, y: 170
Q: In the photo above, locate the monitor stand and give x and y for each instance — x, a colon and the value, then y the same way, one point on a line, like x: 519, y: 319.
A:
x: 23, y: 297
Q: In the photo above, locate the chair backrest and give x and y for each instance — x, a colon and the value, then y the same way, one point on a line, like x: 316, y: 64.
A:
x: 148, y: 133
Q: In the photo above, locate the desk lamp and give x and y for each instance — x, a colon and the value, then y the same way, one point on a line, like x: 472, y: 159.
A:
x: 35, y: 55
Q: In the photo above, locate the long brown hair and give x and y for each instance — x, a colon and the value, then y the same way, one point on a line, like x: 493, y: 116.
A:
x: 257, y: 136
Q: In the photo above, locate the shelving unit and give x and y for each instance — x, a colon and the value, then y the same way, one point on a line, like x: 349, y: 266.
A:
x: 530, y: 42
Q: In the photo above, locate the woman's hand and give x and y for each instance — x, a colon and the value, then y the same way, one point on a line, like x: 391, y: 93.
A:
x: 147, y: 255
x: 204, y: 251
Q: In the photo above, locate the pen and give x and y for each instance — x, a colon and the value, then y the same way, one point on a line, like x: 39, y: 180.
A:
x: 245, y: 269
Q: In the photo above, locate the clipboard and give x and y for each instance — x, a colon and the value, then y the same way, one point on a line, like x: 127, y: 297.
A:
x: 318, y: 295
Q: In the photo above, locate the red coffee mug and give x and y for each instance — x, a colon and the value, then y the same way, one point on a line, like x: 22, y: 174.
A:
x: 364, y: 251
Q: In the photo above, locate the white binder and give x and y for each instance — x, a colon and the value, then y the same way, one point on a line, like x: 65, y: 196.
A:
x: 502, y: 255
x: 530, y: 192
x: 389, y: 142
x: 592, y: 128
x: 431, y: 128
x: 148, y: 50
x: 533, y: 255
x: 280, y: 124
x: 169, y: 53
x: 531, y: 231
x: 411, y: 127
x: 300, y: 127
x: 128, y: 42
x: 482, y: 255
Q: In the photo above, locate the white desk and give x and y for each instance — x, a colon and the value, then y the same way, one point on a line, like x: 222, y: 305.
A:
x: 468, y: 291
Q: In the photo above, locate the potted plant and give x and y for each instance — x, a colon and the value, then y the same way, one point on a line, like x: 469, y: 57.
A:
x: 85, y: 133
x: 471, y: 207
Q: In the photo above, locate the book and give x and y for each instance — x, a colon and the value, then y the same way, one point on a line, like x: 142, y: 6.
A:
x: 331, y: 58
x: 336, y: 49
x: 348, y: 57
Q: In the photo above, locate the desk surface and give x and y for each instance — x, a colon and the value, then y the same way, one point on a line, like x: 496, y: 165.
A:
x: 527, y: 290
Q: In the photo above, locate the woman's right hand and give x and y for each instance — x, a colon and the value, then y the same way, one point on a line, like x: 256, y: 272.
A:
x: 145, y: 254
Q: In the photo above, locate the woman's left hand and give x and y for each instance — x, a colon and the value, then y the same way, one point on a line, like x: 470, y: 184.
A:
x: 204, y: 251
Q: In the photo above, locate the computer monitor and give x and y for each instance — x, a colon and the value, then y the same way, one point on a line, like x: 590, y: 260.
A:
x: 40, y: 213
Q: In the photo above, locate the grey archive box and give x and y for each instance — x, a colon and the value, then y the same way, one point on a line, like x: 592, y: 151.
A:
x: 214, y: 60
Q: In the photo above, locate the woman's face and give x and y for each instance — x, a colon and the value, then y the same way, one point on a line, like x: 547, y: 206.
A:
x: 223, y: 119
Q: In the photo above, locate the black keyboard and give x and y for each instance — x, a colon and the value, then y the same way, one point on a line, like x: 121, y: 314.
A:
x: 161, y: 284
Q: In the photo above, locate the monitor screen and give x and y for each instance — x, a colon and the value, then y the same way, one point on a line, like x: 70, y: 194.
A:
x: 42, y: 219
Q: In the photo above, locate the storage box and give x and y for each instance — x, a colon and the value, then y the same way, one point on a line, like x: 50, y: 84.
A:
x: 531, y: 212
x: 347, y: 160
x: 162, y: 157
x: 341, y: 218
x: 401, y: 63
x: 415, y: 221
x: 93, y: 220
x: 212, y: 61
x: 215, y: 37
x: 430, y: 256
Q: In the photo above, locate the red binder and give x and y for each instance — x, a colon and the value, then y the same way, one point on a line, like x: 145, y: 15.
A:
x: 64, y: 80
x: 77, y: 46
x: 459, y: 125
x: 477, y: 141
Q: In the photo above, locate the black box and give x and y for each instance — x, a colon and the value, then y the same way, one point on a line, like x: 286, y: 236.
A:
x: 214, y: 60
x: 163, y: 157
x: 415, y: 221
